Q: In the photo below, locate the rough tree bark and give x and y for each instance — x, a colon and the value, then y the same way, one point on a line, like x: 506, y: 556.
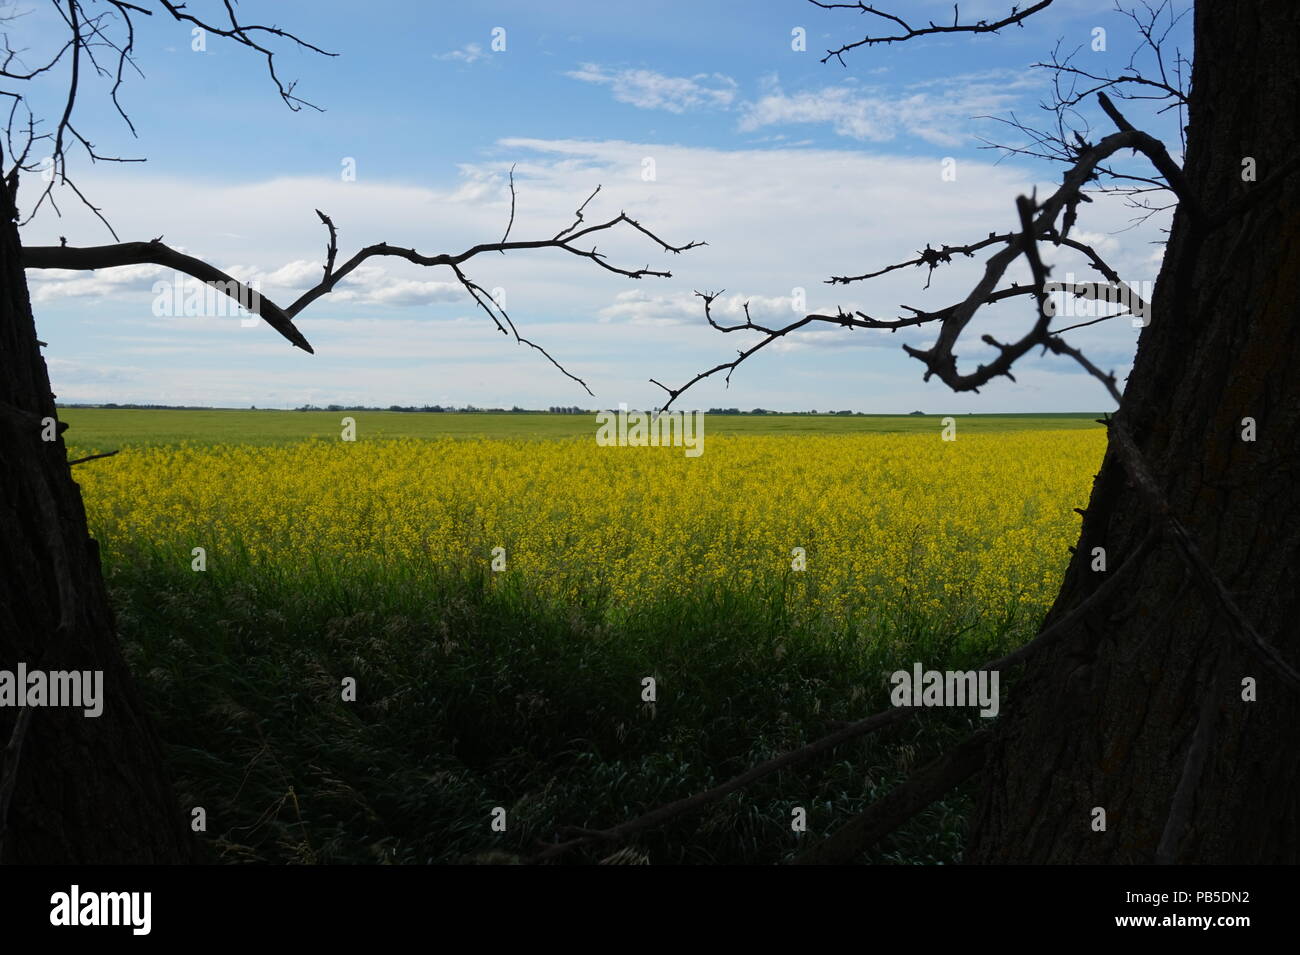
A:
x: 1107, y: 718
x: 86, y: 790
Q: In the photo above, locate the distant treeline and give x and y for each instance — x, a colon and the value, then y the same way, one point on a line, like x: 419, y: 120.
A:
x: 451, y: 409
x: 554, y: 409
x: 111, y: 404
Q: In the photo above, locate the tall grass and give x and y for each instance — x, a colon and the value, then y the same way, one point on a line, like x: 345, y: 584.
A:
x: 475, y: 692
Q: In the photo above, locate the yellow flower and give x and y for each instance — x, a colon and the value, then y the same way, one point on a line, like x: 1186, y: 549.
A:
x: 884, y: 519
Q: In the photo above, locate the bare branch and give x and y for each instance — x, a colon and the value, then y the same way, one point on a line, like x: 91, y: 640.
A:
x: 331, y: 250
x: 932, y: 258
x: 1107, y: 82
x: 86, y: 33
x: 1147, y: 77
x: 940, y: 359
x: 383, y: 249
x: 281, y: 319
x: 1159, y: 156
x: 927, y: 784
x: 511, y: 223
x: 577, y: 216
x: 662, y: 814
x: 91, y: 457
x: 156, y: 253
x: 1015, y: 17
x: 242, y: 34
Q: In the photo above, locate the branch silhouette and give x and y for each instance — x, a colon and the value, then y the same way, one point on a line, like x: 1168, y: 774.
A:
x: 88, y: 30
x: 281, y: 318
x: 1014, y: 18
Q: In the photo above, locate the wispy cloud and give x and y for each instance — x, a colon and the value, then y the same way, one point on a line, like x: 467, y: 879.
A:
x: 367, y: 285
x: 50, y: 285
x: 647, y: 89
x: 468, y: 53
x: 637, y: 307
x: 778, y: 222
x: 936, y: 112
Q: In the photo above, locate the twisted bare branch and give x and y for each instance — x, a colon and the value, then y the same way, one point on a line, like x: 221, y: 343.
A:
x: 1014, y: 18
x: 281, y: 319
x: 112, y: 30
x: 940, y: 359
x: 928, y: 784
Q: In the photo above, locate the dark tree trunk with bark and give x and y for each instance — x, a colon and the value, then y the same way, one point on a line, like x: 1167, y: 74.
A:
x: 86, y: 790
x: 1106, y: 718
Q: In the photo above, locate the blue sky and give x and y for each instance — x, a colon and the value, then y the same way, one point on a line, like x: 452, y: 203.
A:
x: 790, y: 169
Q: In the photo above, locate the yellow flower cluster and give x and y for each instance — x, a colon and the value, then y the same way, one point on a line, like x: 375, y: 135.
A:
x: 881, y: 518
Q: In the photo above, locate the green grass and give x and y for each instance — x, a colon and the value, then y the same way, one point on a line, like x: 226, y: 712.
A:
x: 104, y: 429
x: 473, y: 695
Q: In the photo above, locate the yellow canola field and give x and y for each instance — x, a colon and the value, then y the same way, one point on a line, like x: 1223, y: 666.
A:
x: 883, y: 519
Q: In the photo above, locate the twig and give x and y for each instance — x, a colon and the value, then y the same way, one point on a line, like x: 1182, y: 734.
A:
x: 281, y: 319
x: 662, y: 814
x: 940, y: 359
x: 91, y: 457
x: 982, y: 26
x: 930, y: 782
x: 510, y: 225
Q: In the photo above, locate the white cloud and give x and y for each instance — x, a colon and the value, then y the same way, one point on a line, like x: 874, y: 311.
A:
x: 1104, y: 244
x: 54, y: 284
x: 409, y: 292
x: 468, y: 53
x: 85, y: 373
x: 298, y: 274
x: 650, y: 90
x: 776, y: 220
x: 936, y: 111
x: 686, y: 308
x: 365, y: 285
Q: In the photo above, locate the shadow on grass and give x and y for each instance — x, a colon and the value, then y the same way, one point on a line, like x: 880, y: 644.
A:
x: 472, y: 693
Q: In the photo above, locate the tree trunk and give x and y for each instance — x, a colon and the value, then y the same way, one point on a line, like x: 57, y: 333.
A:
x: 1106, y: 718
x: 86, y: 789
